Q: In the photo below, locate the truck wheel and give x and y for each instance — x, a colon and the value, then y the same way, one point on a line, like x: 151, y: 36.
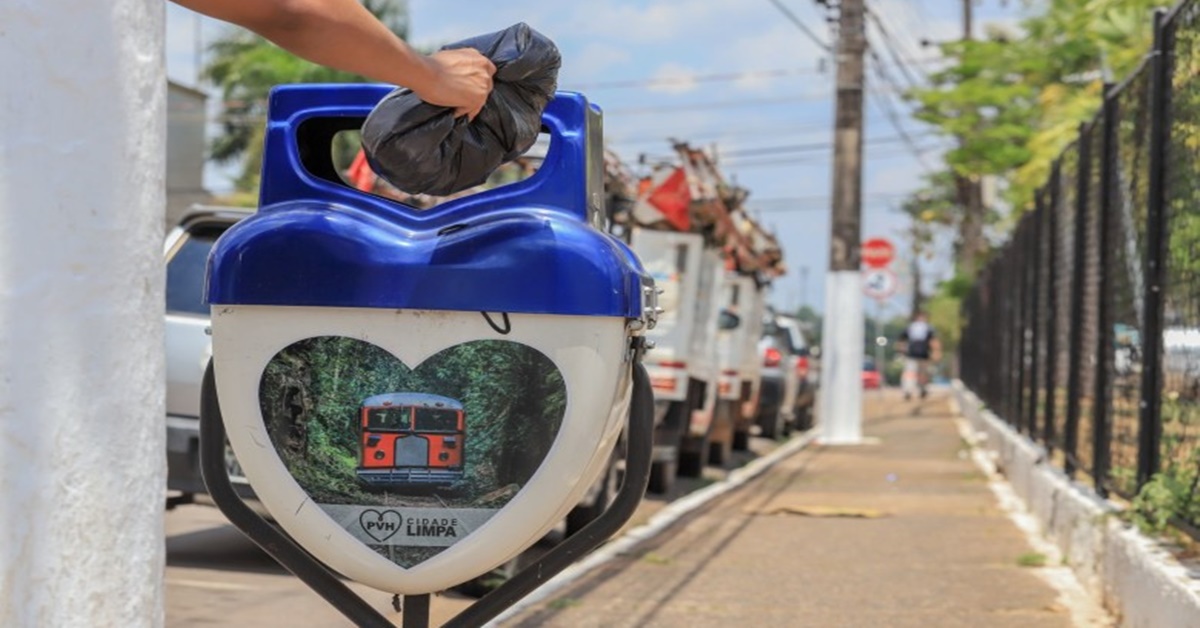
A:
x: 720, y: 452
x: 691, y: 457
x: 774, y: 427
x: 691, y: 464
x: 804, y: 419
x: 741, y: 441
x: 662, y: 477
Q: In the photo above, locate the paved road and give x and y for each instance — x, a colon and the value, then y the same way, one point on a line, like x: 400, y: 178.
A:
x: 215, y: 577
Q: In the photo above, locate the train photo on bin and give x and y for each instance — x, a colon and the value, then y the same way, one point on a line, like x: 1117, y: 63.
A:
x: 411, y: 440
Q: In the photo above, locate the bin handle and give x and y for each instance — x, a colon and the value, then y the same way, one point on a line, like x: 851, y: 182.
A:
x: 298, y: 164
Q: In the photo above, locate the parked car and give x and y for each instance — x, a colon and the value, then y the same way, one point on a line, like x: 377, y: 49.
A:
x: 788, y: 389
x: 871, y: 377
x: 189, y: 348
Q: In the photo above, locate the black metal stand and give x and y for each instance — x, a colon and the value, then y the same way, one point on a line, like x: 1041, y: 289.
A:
x: 328, y: 585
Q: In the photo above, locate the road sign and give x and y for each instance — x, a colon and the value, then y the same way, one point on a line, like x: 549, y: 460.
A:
x: 877, y: 253
x: 879, y: 283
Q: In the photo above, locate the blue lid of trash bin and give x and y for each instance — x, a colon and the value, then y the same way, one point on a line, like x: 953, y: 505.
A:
x: 528, y: 247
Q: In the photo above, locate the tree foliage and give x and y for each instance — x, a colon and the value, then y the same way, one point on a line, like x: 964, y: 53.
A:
x: 245, y: 67
x: 1016, y: 98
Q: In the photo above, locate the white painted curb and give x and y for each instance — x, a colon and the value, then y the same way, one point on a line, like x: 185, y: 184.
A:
x: 1131, y: 574
x: 662, y: 520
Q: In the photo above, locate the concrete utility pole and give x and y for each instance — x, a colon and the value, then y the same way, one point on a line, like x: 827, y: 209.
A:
x: 82, y: 478
x: 842, y: 350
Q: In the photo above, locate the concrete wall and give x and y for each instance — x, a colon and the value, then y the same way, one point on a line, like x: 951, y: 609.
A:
x: 1136, y: 579
x: 82, y: 476
x: 186, y: 151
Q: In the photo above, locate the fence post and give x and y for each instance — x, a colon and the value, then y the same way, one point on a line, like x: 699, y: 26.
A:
x: 1075, y: 340
x: 1102, y: 393
x: 1021, y: 277
x: 1052, y: 271
x: 1013, y: 394
x: 1149, y: 415
x: 1033, y: 253
x: 1006, y: 307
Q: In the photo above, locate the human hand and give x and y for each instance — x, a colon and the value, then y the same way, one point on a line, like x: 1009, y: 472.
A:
x: 462, y: 79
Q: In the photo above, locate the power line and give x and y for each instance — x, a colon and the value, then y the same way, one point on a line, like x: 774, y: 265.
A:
x: 791, y: 148
x: 720, y: 104
x: 889, y: 110
x: 721, y: 77
x: 697, y: 136
x: 817, y: 203
x: 891, y: 46
x: 800, y: 25
x: 808, y: 158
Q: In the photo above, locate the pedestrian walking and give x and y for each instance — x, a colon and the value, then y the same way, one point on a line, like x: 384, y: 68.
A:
x: 921, y: 347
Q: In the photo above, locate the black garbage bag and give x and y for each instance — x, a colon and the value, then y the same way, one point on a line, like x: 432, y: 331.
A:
x: 423, y: 149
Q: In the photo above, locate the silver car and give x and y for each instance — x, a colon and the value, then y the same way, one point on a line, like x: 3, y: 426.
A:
x: 788, y: 387
x: 189, y: 348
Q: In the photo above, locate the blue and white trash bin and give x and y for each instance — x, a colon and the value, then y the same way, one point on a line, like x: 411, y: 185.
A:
x: 417, y: 396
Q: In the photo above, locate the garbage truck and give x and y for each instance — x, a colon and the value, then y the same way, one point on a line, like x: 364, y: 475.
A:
x: 682, y: 226
x: 741, y: 326
x: 682, y: 366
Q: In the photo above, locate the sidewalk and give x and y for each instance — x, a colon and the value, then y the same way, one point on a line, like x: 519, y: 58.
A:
x: 903, y: 532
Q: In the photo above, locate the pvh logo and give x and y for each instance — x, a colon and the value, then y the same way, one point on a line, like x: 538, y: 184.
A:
x: 380, y: 525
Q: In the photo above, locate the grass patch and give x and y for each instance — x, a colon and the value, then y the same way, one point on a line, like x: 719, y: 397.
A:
x: 656, y: 559
x: 974, y: 476
x: 563, y: 603
x: 1031, y: 559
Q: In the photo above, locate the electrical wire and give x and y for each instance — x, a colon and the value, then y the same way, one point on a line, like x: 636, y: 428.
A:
x: 891, y: 46
x: 800, y: 25
x: 791, y: 148
x: 720, y: 104
x: 885, y: 105
x: 721, y: 77
x: 821, y: 203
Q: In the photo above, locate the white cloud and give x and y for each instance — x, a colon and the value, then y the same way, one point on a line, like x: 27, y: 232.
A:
x: 654, y: 21
x: 781, y: 46
x: 592, y: 60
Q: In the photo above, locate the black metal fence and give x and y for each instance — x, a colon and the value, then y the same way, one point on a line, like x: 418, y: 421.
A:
x: 1083, y: 332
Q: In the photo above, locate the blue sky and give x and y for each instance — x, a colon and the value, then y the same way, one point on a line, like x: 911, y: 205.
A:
x: 781, y: 97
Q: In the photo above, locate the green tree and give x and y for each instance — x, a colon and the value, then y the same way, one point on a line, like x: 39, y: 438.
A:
x: 1016, y: 99
x: 245, y: 67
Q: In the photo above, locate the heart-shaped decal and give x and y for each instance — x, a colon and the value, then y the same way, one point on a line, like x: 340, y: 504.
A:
x: 380, y: 525
x: 410, y: 461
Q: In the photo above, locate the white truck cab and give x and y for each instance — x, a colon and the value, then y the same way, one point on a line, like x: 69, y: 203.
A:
x: 740, y: 327
x: 683, y: 364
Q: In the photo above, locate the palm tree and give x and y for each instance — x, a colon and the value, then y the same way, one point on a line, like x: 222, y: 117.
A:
x: 245, y: 67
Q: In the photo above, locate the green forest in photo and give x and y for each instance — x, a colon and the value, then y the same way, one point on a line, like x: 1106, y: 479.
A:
x: 514, y: 399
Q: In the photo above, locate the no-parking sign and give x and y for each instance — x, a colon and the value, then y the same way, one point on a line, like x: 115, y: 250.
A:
x: 879, y: 283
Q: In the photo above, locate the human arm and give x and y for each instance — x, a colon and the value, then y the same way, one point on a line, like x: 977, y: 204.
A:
x: 342, y: 34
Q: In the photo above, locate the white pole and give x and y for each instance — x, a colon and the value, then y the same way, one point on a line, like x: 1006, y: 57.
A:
x: 879, y: 351
x: 842, y: 359
x: 82, y: 132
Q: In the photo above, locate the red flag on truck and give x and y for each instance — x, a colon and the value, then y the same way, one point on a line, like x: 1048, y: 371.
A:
x: 360, y: 174
x: 666, y: 193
